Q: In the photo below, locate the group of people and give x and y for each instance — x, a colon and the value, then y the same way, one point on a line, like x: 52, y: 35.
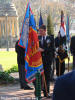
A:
x: 64, y: 88
x: 60, y: 54
x: 47, y: 47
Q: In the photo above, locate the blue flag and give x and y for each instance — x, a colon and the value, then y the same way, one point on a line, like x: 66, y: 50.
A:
x: 25, y: 29
x: 33, y: 58
x: 67, y: 30
x: 40, y: 20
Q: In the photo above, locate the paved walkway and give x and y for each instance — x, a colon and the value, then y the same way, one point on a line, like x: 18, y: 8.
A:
x: 13, y: 91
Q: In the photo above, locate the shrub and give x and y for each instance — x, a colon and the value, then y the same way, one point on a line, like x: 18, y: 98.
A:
x: 50, y: 29
x: 5, y: 78
x: 13, y: 69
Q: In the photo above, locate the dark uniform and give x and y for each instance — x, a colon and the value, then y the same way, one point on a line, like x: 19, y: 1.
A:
x: 63, y: 40
x: 21, y: 65
x: 72, y: 48
x: 47, y: 56
x: 59, y: 53
x: 64, y: 88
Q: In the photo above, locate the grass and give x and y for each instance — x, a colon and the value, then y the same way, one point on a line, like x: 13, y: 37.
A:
x: 70, y: 61
x: 8, y: 59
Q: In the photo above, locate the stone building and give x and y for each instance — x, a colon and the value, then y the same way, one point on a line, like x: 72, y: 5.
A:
x: 9, y: 28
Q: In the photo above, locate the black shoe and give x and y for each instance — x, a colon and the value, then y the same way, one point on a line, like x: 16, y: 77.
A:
x: 49, y: 96
x: 28, y: 88
x: 45, y: 95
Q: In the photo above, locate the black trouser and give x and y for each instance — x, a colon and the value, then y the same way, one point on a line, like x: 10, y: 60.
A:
x: 62, y: 67
x: 21, y: 69
x: 47, y: 71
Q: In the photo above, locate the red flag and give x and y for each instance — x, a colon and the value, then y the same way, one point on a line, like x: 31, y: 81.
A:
x: 62, y: 27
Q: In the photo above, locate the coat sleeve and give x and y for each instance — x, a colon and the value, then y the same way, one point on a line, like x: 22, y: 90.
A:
x: 59, y: 91
x: 16, y: 47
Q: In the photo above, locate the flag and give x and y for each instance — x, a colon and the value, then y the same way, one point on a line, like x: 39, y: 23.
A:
x: 62, y: 27
x: 33, y: 58
x: 40, y: 20
x: 68, y: 36
x: 25, y: 29
x: 67, y: 29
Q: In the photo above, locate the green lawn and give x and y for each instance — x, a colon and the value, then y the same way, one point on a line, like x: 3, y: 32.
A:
x: 8, y: 59
x: 70, y: 61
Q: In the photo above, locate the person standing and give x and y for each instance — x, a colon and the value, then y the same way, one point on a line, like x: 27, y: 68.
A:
x: 59, y: 49
x: 21, y: 65
x: 47, y: 56
x: 72, y: 48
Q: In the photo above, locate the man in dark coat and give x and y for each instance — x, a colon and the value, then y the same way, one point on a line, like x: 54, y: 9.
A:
x: 21, y: 65
x: 47, y: 55
x: 64, y: 88
x: 58, y: 43
x: 72, y: 48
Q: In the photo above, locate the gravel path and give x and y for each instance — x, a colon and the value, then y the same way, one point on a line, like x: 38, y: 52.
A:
x: 13, y: 92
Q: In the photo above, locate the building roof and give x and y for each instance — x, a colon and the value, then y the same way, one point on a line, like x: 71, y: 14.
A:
x: 7, y: 9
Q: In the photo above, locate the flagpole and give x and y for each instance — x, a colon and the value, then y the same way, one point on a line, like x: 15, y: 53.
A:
x: 59, y: 67
x: 68, y: 45
x: 67, y: 38
x: 45, y: 84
